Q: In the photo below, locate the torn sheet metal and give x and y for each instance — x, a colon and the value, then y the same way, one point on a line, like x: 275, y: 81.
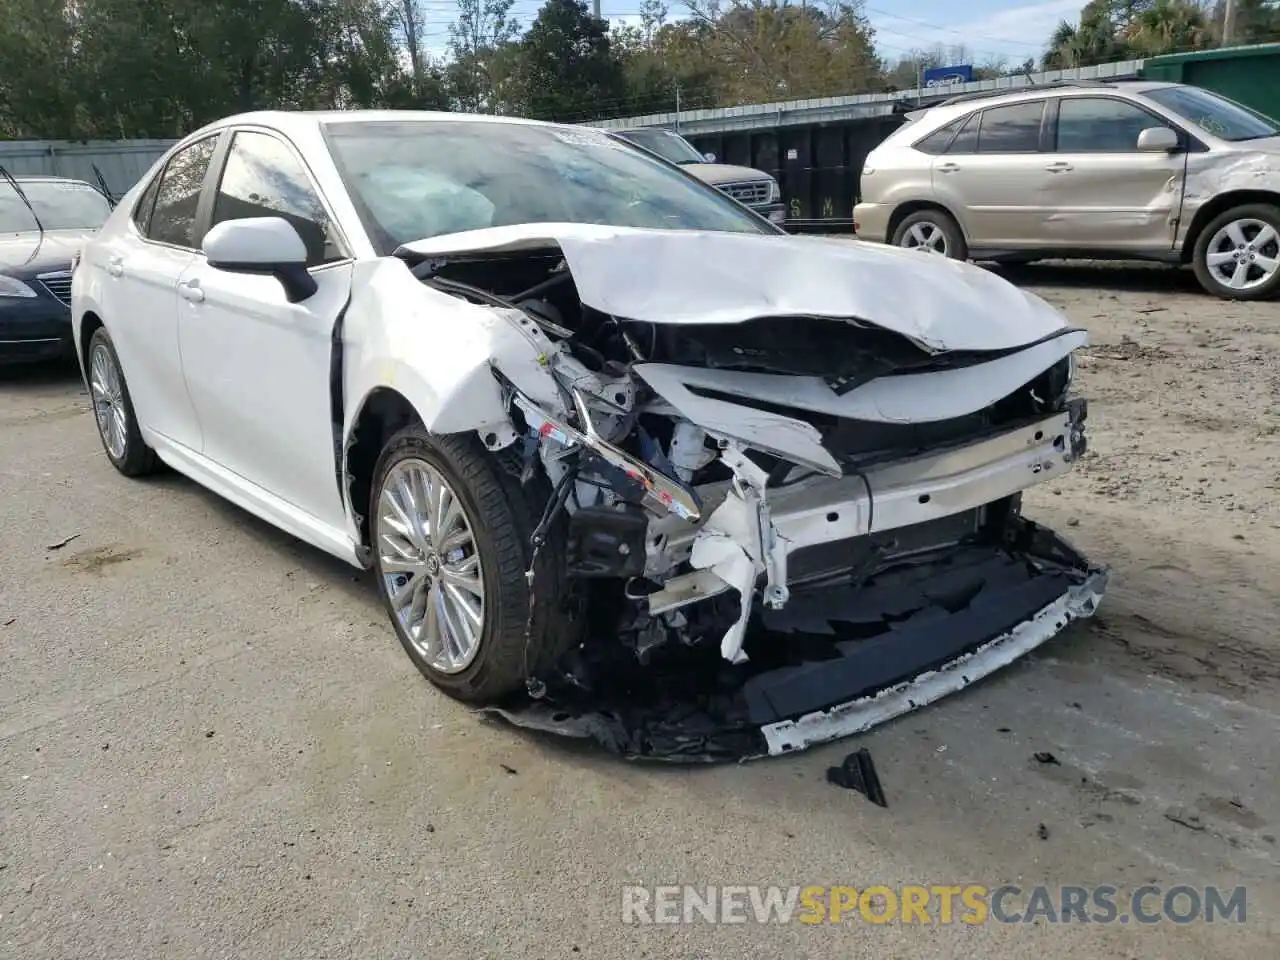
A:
x: 902, y: 398
x: 661, y: 493
x: 791, y: 439
x: 702, y: 277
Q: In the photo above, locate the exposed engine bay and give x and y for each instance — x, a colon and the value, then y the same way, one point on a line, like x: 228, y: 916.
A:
x: 778, y: 528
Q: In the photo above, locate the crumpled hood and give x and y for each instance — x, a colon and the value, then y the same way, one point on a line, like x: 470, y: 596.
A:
x: 704, y: 277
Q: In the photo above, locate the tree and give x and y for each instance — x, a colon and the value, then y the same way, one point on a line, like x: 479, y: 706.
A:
x: 1095, y: 40
x: 482, y: 27
x: 1166, y: 26
x: 567, y: 70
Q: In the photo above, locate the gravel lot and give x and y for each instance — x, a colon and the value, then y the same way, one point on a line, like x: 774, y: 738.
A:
x: 212, y: 745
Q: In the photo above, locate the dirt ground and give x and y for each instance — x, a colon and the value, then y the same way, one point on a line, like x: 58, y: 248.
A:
x: 212, y: 746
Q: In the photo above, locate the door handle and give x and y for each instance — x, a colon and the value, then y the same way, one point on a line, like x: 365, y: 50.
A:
x: 115, y: 266
x: 948, y: 167
x: 191, y: 291
x: 1060, y: 166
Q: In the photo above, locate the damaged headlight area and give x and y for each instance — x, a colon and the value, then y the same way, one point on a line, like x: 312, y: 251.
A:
x: 779, y: 532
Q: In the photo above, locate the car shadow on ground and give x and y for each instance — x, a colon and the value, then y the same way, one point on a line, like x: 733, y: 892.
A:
x: 1119, y: 276
x: 39, y: 376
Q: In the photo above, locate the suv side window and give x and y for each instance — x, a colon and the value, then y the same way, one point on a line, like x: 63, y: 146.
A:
x: 262, y: 178
x: 1101, y: 125
x: 1011, y: 129
x: 173, y: 219
x: 937, y: 142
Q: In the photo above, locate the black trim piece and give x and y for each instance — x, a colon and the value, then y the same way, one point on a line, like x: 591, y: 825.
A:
x: 337, y: 400
x: 992, y: 599
x: 212, y: 176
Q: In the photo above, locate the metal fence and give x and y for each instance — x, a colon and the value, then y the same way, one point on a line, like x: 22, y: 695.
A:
x: 121, y: 162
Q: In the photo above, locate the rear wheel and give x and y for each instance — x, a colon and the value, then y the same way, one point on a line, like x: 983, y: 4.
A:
x: 451, y: 536
x: 1237, y: 256
x: 932, y: 231
x: 113, y: 410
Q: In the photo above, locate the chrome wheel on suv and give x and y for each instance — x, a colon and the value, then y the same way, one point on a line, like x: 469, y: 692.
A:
x: 931, y: 231
x: 1238, y: 255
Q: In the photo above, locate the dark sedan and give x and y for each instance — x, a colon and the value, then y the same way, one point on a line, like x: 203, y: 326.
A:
x: 43, y: 222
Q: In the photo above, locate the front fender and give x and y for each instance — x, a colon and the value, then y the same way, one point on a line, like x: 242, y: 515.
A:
x: 434, y: 349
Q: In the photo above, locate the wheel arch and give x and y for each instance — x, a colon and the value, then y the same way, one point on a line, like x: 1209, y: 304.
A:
x: 89, y: 324
x: 1217, y: 206
x: 381, y: 413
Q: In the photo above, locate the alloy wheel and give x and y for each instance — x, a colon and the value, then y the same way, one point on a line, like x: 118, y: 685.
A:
x: 925, y: 236
x: 1244, y: 254
x: 430, y: 565
x: 108, y: 401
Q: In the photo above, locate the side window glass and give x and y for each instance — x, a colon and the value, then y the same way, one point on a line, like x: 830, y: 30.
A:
x: 147, y: 202
x: 938, y: 141
x: 966, y: 140
x: 178, y: 196
x: 1011, y: 129
x: 262, y: 178
x: 1101, y: 125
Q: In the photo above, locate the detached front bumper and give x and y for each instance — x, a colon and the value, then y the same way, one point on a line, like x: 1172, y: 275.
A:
x: 754, y: 533
x: 860, y: 598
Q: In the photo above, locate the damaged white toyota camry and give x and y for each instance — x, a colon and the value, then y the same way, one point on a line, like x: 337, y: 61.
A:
x: 628, y: 462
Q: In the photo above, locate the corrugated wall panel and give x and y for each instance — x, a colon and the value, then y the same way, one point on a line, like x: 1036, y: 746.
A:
x: 122, y: 162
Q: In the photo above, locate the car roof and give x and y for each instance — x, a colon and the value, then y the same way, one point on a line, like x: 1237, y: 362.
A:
x: 964, y: 103
x: 291, y: 122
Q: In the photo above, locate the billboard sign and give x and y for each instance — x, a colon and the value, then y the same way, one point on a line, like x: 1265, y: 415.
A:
x: 946, y: 76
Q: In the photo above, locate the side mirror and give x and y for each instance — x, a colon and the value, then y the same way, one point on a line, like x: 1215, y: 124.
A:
x: 1158, y: 140
x: 269, y: 246
x: 709, y: 157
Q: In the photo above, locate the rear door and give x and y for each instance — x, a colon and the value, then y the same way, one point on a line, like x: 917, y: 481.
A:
x: 1104, y: 194
x: 142, y: 264
x: 993, y: 175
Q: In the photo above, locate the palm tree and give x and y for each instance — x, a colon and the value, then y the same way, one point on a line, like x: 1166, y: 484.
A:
x: 1064, y: 48
x: 1168, y: 26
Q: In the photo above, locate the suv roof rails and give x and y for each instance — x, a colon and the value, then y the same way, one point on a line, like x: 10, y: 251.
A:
x: 1028, y: 88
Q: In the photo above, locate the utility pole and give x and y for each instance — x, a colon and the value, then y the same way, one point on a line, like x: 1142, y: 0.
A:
x: 1228, y: 23
x: 677, y: 102
x: 595, y: 8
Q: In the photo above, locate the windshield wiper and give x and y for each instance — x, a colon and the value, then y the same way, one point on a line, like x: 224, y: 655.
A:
x: 22, y: 195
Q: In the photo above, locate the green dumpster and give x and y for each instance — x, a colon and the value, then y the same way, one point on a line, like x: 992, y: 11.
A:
x: 1248, y: 75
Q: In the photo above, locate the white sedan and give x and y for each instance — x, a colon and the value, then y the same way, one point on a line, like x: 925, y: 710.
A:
x: 572, y: 406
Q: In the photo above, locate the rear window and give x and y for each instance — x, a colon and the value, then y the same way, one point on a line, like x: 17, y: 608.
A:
x: 1011, y: 129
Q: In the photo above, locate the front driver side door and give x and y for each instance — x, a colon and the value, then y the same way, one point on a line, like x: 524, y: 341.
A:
x: 257, y: 366
x: 1105, y: 193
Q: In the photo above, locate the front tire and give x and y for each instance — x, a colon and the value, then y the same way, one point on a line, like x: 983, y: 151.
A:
x: 113, y: 410
x: 932, y: 231
x: 1237, y: 256
x: 450, y: 533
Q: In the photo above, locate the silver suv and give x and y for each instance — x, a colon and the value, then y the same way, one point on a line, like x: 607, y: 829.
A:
x: 1124, y: 170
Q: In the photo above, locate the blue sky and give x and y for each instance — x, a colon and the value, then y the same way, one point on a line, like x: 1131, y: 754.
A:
x: 1014, y: 29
